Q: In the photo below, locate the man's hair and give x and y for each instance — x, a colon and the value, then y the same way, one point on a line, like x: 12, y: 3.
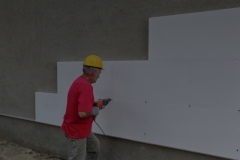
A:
x: 88, y: 69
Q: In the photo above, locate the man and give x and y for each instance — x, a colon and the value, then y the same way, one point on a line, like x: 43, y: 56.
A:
x: 81, y: 110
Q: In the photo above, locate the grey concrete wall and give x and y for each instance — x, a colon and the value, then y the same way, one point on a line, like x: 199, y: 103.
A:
x: 51, y: 140
x: 36, y: 34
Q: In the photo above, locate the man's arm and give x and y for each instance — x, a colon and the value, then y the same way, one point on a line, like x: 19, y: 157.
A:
x: 85, y: 114
x: 95, y: 111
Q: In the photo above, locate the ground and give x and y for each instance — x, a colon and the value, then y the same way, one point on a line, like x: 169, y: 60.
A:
x: 11, y: 151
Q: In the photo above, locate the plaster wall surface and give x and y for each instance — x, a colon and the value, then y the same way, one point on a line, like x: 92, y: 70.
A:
x: 36, y: 34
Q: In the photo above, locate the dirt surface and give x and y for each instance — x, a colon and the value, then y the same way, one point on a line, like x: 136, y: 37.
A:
x: 11, y: 151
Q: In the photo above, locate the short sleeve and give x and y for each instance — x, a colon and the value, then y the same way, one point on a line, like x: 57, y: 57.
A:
x: 85, y: 101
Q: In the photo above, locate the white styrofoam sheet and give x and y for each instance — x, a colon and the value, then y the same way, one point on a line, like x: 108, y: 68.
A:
x: 215, y: 83
x: 211, y: 131
x: 103, y: 86
x: 124, y: 119
x: 202, y: 35
x: 168, y: 88
x: 167, y: 81
x: 47, y: 109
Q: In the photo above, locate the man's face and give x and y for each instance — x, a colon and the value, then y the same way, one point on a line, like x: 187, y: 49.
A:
x: 96, y: 74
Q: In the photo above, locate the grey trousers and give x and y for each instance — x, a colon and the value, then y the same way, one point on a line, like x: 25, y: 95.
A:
x: 83, y: 149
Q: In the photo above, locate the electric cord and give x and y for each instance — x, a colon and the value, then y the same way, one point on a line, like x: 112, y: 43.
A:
x: 108, y: 141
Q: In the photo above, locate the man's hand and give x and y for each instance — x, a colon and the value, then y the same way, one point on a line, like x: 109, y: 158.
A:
x: 101, y: 103
x: 106, y: 101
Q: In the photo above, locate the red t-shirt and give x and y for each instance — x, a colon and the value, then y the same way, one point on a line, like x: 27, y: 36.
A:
x: 80, y: 99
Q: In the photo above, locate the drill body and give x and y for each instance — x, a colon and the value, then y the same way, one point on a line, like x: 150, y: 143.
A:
x: 101, y: 103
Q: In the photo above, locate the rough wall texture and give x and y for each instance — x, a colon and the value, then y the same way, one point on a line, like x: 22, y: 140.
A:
x: 36, y: 34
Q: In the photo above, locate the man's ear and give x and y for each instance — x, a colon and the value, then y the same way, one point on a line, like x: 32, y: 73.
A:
x: 93, y: 72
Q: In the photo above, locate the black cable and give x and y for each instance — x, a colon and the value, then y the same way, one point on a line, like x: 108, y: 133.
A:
x: 108, y: 141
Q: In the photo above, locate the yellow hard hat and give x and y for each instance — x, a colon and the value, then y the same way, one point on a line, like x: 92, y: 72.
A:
x: 93, y: 61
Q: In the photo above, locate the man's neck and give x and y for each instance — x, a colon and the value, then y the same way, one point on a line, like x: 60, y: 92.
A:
x: 86, y: 77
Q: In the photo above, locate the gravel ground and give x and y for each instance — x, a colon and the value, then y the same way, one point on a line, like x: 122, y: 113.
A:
x: 11, y: 151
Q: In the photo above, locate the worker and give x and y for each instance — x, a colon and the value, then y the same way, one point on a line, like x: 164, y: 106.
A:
x: 81, y: 111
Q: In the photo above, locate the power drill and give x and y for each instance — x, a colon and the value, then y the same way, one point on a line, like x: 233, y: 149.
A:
x: 101, y: 103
